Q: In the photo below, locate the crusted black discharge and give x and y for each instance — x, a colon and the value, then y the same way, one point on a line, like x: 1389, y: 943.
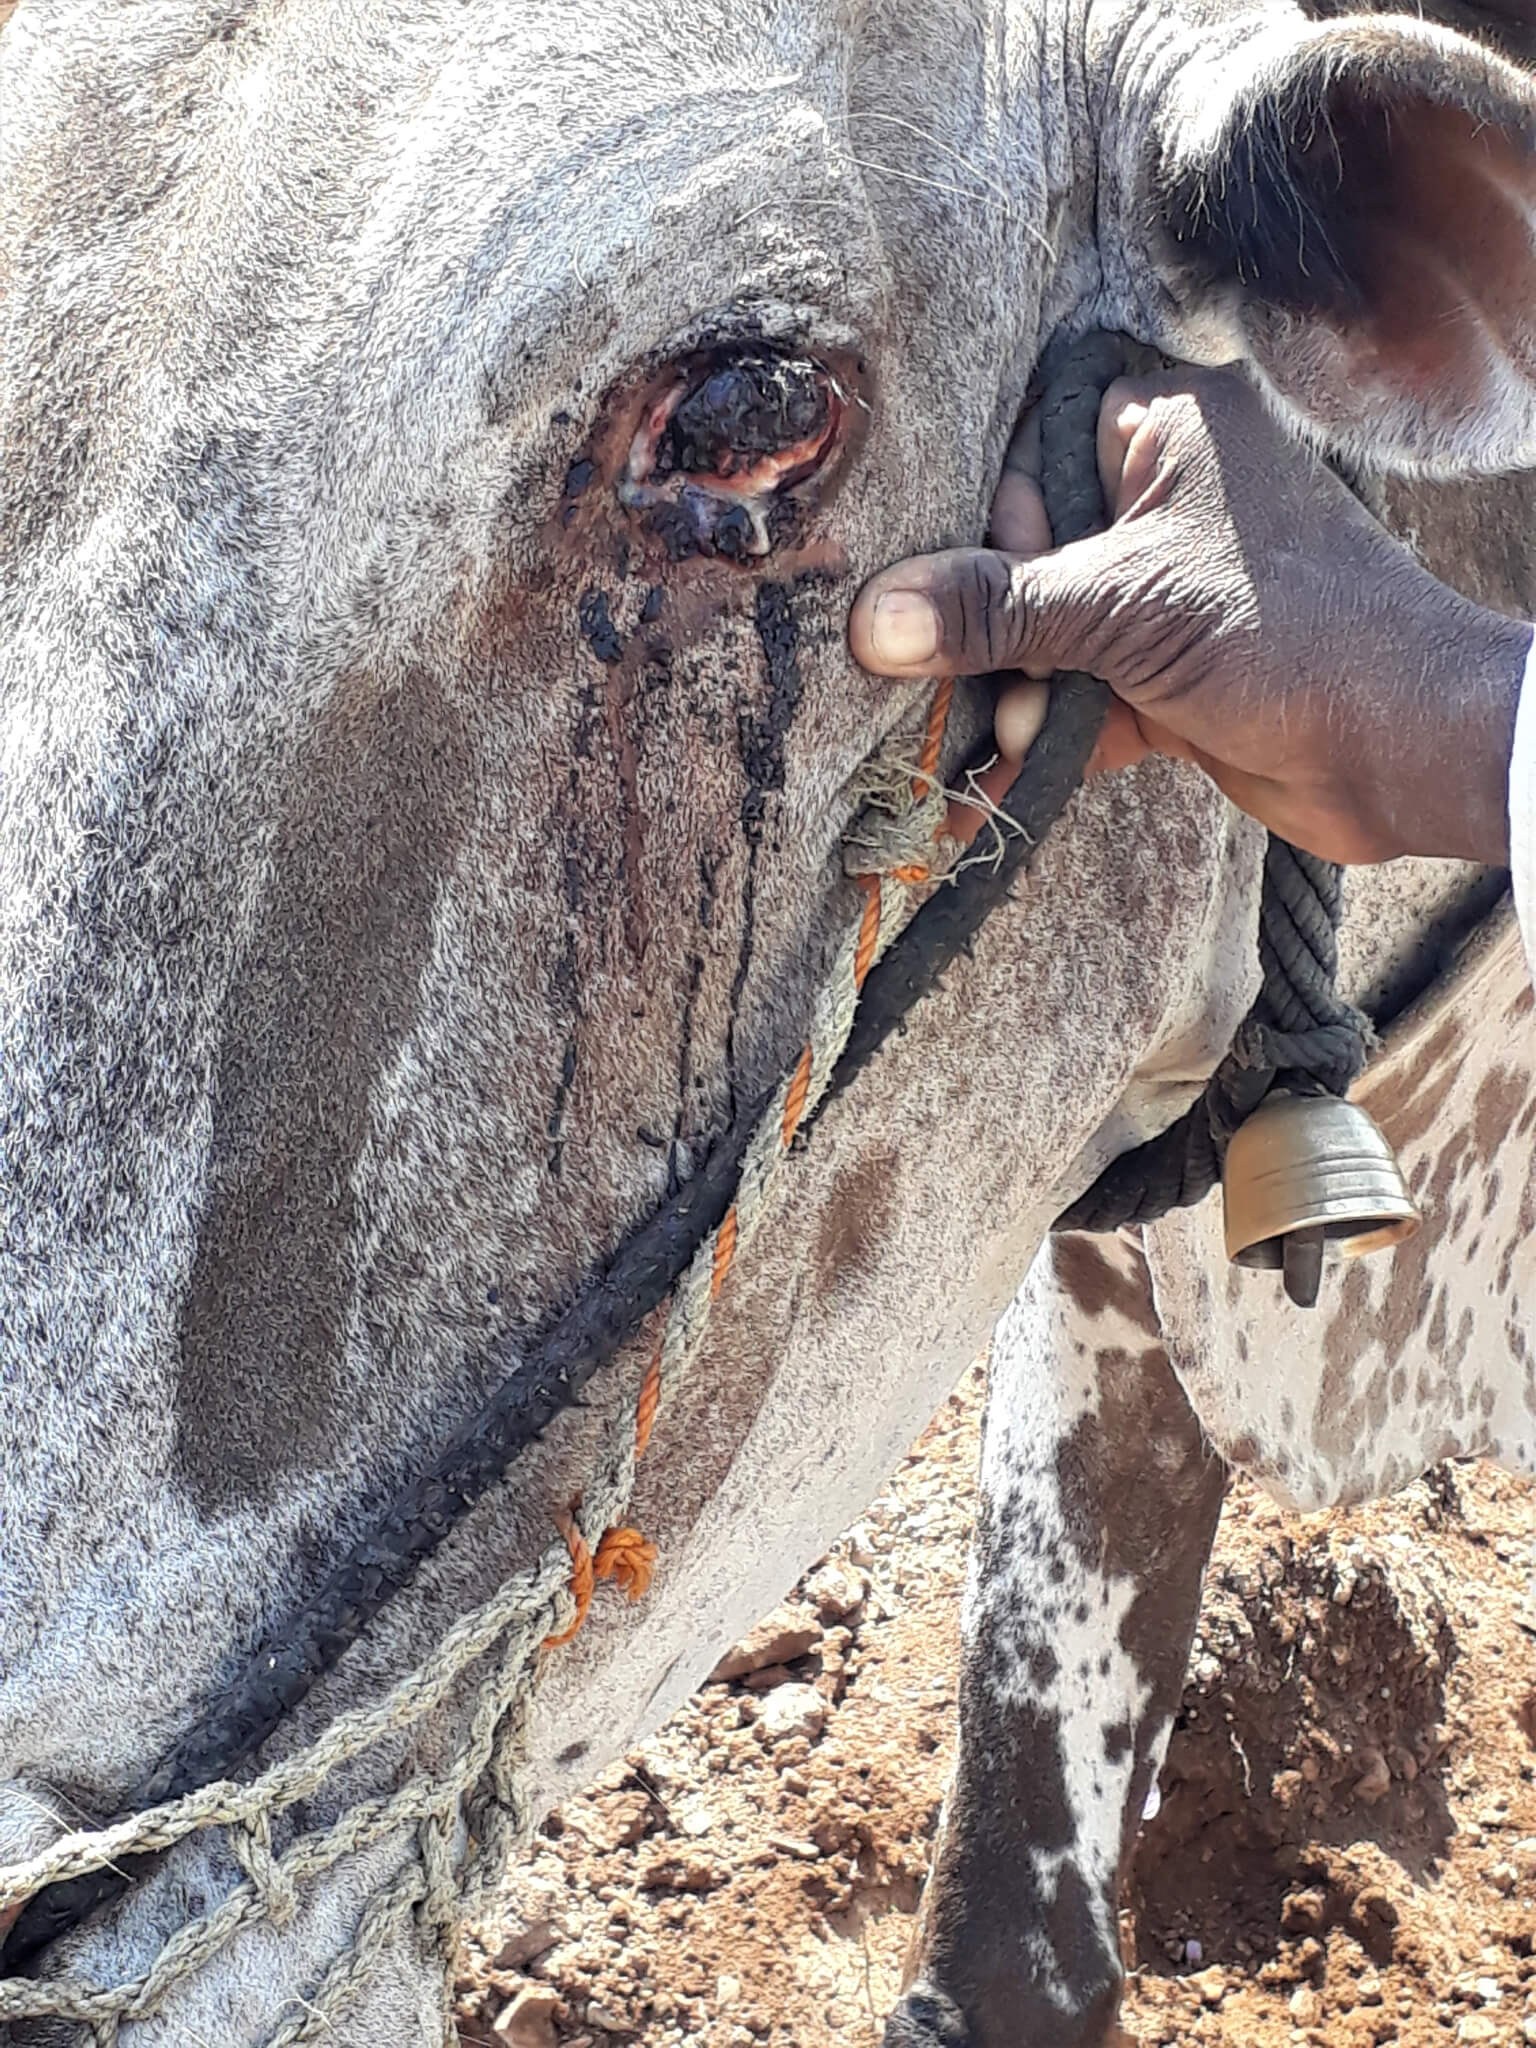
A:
x: 751, y: 406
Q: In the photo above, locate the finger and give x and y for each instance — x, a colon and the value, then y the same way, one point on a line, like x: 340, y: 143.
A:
x: 1120, y: 743
x: 1020, y: 713
x: 978, y: 611
x: 987, y: 788
x: 1129, y: 736
x: 954, y: 612
x: 1019, y: 523
x: 1123, y: 410
x: 1131, y: 435
x: 1019, y: 716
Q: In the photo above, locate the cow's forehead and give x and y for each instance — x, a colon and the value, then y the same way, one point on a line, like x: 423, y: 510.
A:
x: 535, y: 185
x: 411, y: 244
x: 510, y: 167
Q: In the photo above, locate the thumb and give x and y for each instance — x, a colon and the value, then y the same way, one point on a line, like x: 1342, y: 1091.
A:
x: 970, y: 611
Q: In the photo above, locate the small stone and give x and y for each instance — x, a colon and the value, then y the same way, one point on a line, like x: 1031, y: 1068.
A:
x: 1194, y: 1954
x: 1207, y: 1671
x: 1304, y: 1912
x: 526, y: 1945
x: 727, y: 1991
x: 836, y: 1591
x: 671, y: 1872
x: 611, y: 2022
x: 626, y: 1816
x: 1376, y: 1781
x: 1477, y: 2026
x: 1285, y: 1787
x: 1528, y: 2027
x: 1504, y: 1878
x: 770, y: 1676
x: 1305, y: 2006
x: 780, y: 1639
x: 529, y: 2021
x: 1211, y: 1985
x: 792, y: 1710
x: 1487, y: 1989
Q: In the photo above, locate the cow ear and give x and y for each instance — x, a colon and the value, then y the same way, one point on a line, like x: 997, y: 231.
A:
x: 1356, y: 203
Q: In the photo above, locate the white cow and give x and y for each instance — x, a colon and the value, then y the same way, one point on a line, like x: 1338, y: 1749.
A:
x: 437, y: 451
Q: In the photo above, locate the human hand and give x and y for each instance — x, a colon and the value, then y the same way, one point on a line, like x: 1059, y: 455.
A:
x: 1249, y: 615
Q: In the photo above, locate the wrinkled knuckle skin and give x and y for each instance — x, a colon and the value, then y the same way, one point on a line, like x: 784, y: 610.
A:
x: 926, y: 2019
x: 980, y: 613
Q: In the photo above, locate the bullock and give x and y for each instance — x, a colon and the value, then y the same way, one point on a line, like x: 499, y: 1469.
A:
x: 437, y: 454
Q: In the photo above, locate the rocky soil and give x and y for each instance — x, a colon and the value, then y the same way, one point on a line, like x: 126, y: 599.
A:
x: 1345, y: 1852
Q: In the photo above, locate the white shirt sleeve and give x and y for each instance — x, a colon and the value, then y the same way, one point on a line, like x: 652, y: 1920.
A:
x: 1522, y: 810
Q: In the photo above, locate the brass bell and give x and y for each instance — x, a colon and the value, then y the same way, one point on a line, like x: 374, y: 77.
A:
x: 1308, y: 1170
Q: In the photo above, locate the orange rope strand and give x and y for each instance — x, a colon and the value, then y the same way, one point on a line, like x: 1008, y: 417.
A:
x: 794, y: 1101
x: 582, y: 1580
x: 933, y: 739
x: 869, y: 930
x: 624, y: 1554
x: 649, y: 1402
x: 725, y: 1251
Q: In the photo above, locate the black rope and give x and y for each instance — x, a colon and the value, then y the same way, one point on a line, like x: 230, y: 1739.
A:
x: 1300, y: 1036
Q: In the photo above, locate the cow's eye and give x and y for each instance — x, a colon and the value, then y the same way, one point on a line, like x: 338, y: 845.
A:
x: 719, y: 462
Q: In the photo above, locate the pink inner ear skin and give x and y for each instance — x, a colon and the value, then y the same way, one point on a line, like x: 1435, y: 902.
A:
x: 1467, y: 195
x: 1438, y: 365
x: 1428, y: 335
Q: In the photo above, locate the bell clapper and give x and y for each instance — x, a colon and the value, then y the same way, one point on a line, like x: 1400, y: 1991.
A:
x: 1301, y: 1264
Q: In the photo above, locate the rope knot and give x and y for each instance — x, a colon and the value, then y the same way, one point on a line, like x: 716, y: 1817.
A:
x: 252, y: 1847
x: 626, y: 1557
x: 904, y: 805
x: 623, y: 1555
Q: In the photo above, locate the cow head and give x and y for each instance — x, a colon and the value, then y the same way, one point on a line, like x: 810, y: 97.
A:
x: 437, y: 452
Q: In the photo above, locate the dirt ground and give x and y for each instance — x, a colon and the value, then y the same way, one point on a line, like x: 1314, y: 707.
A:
x: 1345, y: 1852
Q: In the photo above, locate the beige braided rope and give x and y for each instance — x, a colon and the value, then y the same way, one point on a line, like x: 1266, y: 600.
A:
x: 480, y: 1781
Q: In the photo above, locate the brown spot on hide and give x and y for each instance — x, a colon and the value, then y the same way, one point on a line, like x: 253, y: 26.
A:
x: 855, y: 1220
x: 1500, y: 1099
x: 325, y: 995
x: 1419, y: 1094
x: 1099, y: 1286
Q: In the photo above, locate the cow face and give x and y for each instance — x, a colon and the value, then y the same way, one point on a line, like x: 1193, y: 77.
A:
x: 438, y: 454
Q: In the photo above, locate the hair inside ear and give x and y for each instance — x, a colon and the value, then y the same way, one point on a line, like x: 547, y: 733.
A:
x: 1369, y: 208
